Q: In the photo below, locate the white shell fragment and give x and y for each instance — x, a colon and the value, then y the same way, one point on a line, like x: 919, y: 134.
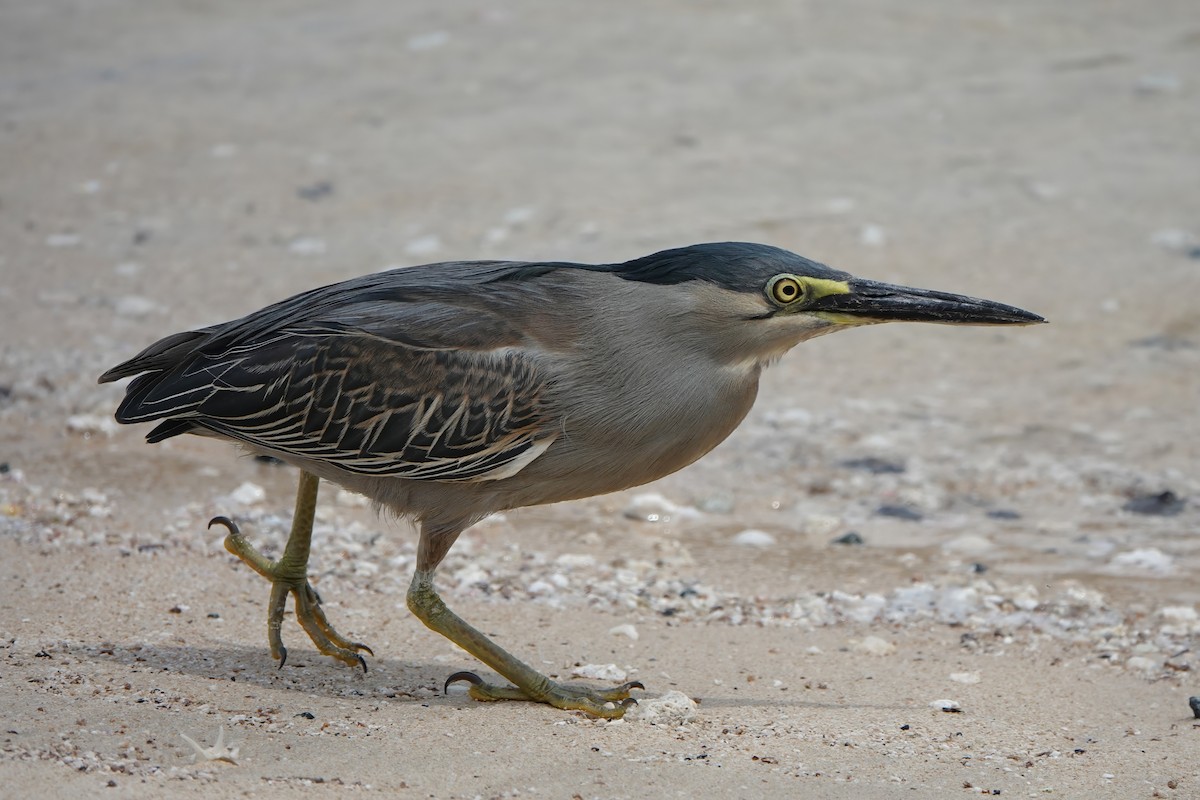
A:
x: 624, y: 630
x: 754, y: 538
x: 673, y: 708
x: 874, y: 646
x: 91, y: 424
x: 1147, y: 558
x: 599, y: 672
x: 653, y: 507
x: 949, y: 706
x: 218, y: 752
x: 1142, y: 663
x: 248, y: 494
x: 1179, y: 620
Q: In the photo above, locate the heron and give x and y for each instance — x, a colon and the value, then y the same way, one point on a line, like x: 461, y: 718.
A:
x: 448, y: 392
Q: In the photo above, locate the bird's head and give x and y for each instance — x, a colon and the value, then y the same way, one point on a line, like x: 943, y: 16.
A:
x: 753, y: 301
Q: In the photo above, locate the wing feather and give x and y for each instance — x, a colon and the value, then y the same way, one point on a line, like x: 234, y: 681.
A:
x: 366, y: 399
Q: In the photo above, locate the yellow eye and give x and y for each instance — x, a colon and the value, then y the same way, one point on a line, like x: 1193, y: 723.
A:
x: 784, y: 289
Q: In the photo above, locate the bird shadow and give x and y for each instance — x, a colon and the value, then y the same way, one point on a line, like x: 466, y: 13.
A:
x: 305, y: 672
x: 309, y: 674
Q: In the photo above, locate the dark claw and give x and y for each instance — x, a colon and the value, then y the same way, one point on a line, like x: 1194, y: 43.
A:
x: 469, y: 677
x: 362, y: 662
x: 633, y: 685
x: 628, y: 702
x: 226, y: 521
x: 282, y: 656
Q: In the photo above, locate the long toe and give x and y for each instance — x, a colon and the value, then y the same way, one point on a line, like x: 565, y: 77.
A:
x: 605, y: 703
x: 327, y: 640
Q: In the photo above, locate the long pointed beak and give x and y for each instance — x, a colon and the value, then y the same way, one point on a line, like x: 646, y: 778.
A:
x: 872, y: 301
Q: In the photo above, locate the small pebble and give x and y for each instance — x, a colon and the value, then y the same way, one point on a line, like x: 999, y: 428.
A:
x: 754, y: 538
x: 540, y: 587
x: 949, y: 706
x: 968, y: 544
x: 1194, y: 703
x: 1142, y: 663
x: 1149, y: 558
x: 900, y: 512
x: 717, y: 504
x: 875, y: 466
x: 1163, y: 504
x: 1179, y: 620
x: 248, y: 494
x: 315, y: 191
x: 852, y: 537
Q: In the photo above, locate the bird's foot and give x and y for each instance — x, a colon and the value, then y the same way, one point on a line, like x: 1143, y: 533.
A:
x: 289, y: 575
x: 605, y: 703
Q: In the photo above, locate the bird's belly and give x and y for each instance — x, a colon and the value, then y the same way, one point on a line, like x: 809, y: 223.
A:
x: 597, y: 459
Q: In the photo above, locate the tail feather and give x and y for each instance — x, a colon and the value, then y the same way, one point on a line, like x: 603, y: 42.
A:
x: 163, y: 354
x: 172, y: 427
x: 155, y: 365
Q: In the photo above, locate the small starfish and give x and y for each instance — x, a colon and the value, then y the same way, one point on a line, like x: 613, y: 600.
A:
x: 218, y: 752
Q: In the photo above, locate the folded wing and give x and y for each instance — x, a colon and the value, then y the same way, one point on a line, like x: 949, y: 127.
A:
x: 424, y: 391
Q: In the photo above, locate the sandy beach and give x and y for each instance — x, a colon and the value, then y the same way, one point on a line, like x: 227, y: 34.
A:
x: 932, y: 563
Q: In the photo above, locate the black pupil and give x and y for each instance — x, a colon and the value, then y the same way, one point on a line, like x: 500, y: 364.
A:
x: 788, y: 291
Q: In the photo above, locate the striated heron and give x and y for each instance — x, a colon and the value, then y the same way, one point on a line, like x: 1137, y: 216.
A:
x: 447, y: 392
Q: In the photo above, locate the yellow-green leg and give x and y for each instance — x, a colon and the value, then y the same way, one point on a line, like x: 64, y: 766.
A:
x: 290, y: 575
x: 528, y: 683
